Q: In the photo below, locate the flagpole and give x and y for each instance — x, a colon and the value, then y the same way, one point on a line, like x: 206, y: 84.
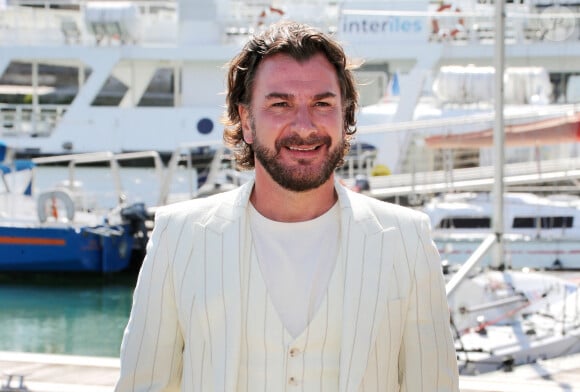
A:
x: 498, y: 133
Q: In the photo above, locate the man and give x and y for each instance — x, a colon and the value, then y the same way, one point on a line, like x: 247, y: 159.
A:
x: 291, y: 281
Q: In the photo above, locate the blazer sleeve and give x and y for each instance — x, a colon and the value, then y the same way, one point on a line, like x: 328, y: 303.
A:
x: 427, y: 360
x: 151, y: 351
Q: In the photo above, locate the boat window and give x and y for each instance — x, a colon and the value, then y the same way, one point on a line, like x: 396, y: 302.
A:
x: 465, y: 223
x: 544, y: 222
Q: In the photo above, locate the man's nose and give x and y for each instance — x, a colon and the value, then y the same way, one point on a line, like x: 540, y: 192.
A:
x: 303, y: 121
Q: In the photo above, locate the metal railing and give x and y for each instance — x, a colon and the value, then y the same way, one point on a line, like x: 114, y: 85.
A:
x: 32, y: 22
x: 28, y: 119
x: 475, y: 179
x: 113, y: 163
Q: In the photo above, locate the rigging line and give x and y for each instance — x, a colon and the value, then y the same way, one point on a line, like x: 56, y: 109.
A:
x: 505, y: 315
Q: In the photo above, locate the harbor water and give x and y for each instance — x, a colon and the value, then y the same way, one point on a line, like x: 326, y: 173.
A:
x: 79, y: 314
x: 76, y: 314
x: 65, y: 313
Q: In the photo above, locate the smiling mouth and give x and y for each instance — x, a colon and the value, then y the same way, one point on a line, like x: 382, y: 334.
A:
x: 298, y: 144
x: 303, y: 149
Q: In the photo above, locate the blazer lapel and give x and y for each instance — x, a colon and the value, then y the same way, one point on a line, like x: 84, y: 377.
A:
x: 368, y: 263
x: 226, y: 246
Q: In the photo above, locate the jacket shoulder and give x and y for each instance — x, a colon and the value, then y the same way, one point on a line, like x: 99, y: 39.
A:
x: 199, y: 209
x: 388, y: 211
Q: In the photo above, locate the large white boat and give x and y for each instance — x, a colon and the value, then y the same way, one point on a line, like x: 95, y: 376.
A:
x: 538, y: 232
x: 83, y: 75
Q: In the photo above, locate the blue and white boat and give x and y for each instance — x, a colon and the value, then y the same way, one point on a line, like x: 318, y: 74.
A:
x: 49, y: 231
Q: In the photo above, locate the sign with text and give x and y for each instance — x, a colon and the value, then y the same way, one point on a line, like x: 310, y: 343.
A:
x: 379, y: 22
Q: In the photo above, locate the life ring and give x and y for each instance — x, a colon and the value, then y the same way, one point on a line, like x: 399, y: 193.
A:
x: 47, y: 201
x: 448, y: 32
x: 266, y: 13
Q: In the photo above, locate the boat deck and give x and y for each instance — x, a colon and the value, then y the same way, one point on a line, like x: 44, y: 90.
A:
x: 64, y: 373
x: 517, y: 176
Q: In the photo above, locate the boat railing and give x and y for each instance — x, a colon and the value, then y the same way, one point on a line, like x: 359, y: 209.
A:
x: 183, y: 155
x: 524, y: 23
x: 358, y: 164
x: 518, y: 176
x: 114, y: 162
x: 81, y: 22
x: 29, y: 119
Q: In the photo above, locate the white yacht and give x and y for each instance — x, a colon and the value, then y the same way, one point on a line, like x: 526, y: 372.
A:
x: 539, y: 232
x: 82, y: 75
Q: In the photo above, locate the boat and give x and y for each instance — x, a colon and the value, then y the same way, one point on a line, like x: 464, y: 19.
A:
x: 81, y: 76
x: 505, y: 319
x: 58, y: 230
x: 540, y: 232
x: 433, y: 124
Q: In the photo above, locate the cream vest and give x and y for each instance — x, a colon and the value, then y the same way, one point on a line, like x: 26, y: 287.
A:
x: 271, y: 359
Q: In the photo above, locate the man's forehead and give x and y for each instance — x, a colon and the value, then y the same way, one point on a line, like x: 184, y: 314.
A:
x: 282, y: 59
x: 282, y: 74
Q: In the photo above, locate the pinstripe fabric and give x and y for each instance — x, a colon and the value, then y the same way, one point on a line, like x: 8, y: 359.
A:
x: 187, y: 329
x: 271, y: 359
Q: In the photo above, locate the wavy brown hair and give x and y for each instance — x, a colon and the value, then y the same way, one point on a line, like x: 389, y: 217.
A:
x: 301, y: 42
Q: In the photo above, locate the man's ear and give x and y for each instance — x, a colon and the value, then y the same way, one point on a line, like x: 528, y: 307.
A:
x: 244, y: 113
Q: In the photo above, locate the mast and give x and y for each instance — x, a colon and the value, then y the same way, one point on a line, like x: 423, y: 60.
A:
x: 498, y: 132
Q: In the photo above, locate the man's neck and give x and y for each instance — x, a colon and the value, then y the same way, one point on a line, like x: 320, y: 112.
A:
x: 280, y: 204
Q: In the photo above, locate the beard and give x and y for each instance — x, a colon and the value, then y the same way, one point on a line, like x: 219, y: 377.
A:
x: 302, y: 176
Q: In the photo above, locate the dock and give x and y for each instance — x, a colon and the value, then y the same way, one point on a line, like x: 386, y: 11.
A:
x: 554, y: 375
x: 57, y: 373
x: 66, y: 373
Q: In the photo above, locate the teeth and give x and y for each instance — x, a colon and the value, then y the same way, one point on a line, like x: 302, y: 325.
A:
x: 302, y: 149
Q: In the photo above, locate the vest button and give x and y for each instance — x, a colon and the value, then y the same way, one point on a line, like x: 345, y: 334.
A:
x: 292, y: 381
x: 294, y: 352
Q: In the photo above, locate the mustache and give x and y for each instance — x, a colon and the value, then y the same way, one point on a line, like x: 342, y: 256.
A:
x: 297, y: 140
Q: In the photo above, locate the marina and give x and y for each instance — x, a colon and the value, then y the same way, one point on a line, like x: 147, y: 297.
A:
x: 116, y: 106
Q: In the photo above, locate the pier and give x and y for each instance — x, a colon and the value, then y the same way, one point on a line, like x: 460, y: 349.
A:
x: 66, y: 373
x: 57, y: 373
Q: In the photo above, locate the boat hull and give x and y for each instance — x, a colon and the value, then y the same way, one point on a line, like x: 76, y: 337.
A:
x: 98, y: 249
x: 519, y: 251
x: 488, y: 356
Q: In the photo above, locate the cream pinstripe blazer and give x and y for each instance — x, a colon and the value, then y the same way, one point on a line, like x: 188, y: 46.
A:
x: 184, y: 330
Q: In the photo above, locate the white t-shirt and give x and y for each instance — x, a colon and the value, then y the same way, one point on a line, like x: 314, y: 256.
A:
x: 296, y: 261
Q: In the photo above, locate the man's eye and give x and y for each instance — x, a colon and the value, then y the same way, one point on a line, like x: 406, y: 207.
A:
x: 280, y: 104
x: 323, y: 103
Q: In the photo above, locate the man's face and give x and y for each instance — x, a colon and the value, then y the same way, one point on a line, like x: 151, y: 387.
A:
x: 295, y: 122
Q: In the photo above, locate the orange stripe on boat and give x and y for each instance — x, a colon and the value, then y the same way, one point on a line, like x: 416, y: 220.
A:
x: 32, y: 241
